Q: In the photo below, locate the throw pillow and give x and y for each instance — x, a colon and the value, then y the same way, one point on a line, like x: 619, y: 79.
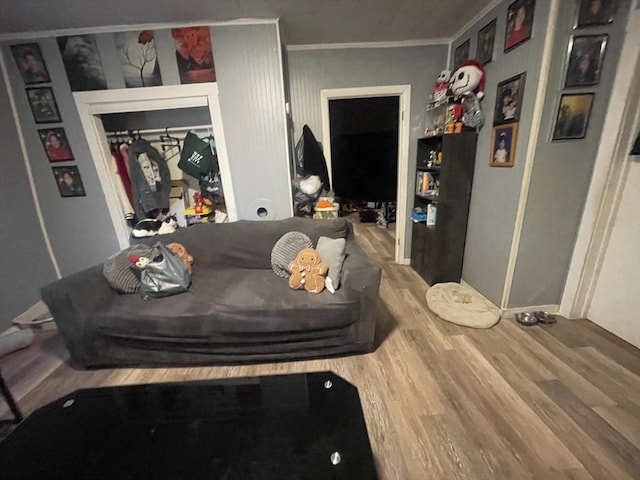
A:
x: 118, y: 272
x: 285, y: 251
x: 331, y: 251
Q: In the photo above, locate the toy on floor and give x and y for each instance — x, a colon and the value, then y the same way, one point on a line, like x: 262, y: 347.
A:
x: 308, y: 271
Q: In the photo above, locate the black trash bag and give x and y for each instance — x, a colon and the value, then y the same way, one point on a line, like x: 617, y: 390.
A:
x: 310, y: 159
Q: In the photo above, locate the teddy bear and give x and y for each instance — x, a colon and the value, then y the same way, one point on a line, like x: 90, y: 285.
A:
x: 181, y: 252
x: 308, y: 271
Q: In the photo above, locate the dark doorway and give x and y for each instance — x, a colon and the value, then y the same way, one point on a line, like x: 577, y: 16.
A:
x: 364, y: 148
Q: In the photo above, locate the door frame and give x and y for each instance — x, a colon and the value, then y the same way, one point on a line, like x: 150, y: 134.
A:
x: 404, y: 116
x: 91, y: 105
x: 608, y: 178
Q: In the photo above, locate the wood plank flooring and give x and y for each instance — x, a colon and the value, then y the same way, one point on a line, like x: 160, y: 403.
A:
x: 441, y: 401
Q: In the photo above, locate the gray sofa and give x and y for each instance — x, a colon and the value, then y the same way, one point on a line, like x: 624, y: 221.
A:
x: 237, y: 310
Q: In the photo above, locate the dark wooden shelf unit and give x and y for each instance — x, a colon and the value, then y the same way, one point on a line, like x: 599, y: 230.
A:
x: 437, y: 250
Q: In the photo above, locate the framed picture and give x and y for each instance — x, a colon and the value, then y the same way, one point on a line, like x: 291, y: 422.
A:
x: 586, y: 53
x: 69, y: 181
x: 194, y: 54
x: 573, y: 115
x: 486, y: 40
x: 461, y: 54
x: 43, y: 105
x: 595, y: 12
x: 82, y: 62
x: 56, y: 146
x: 138, y: 58
x: 519, y: 23
x: 30, y: 63
x: 503, y: 146
x: 509, y: 99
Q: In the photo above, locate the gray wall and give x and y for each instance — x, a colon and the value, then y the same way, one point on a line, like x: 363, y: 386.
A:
x: 495, y: 193
x: 24, y: 261
x: 311, y: 71
x: 79, y: 228
x: 252, y: 103
x: 562, y: 172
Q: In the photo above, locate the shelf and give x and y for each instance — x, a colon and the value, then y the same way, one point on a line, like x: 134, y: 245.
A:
x: 429, y: 169
x: 433, y: 198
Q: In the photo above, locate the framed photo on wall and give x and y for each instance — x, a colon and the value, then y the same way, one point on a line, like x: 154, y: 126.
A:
x: 43, y: 105
x: 56, y: 146
x: 69, y: 181
x: 30, y: 63
x: 586, y: 53
x: 503, y: 145
x: 573, y: 115
x: 595, y: 12
x: 519, y: 23
x: 461, y: 54
x: 509, y: 99
x: 486, y: 41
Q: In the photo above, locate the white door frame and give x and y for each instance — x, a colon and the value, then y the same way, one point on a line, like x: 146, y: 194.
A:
x: 92, y: 104
x: 404, y: 92
x: 608, y: 178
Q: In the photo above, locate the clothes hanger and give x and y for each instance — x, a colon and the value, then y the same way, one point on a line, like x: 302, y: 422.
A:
x: 173, y: 142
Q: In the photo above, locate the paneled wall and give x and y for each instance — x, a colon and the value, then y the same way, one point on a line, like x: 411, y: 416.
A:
x: 310, y: 71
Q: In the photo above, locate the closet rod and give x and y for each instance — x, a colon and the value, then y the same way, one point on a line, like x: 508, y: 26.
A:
x: 153, y: 131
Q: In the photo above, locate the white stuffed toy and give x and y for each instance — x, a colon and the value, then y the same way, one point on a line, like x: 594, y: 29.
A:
x: 439, y: 91
x: 467, y: 86
x: 468, y: 79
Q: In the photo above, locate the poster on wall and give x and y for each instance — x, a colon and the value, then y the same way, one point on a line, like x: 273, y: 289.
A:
x: 573, y: 115
x: 586, y: 53
x: 30, y: 63
x: 519, y: 23
x: 194, y: 54
x: 56, y: 146
x: 43, y: 105
x: 503, y: 145
x: 82, y: 62
x: 486, y: 41
x: 69, y: 181
x: 138, y: 58
x: 461, y: 55
x: 509, y: 99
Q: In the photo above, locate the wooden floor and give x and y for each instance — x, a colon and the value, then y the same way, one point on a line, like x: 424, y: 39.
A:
x: 442, y: 401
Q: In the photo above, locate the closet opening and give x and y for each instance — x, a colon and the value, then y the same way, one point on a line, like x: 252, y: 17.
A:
x: 157, y: 127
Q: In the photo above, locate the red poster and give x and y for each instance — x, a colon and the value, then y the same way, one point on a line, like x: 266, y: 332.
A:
x: 194, y: 54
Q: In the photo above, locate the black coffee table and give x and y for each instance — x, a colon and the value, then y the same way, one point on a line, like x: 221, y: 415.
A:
x: 306, y: 426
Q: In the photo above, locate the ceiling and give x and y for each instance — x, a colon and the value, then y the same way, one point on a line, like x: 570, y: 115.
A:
x: 301, y: 21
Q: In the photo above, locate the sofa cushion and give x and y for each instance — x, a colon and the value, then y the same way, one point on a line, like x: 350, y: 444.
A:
x: 119, y: 271
x: 230, y: 300
x: 248, y: 243
x: 285, y: 251
x: 331, y: 251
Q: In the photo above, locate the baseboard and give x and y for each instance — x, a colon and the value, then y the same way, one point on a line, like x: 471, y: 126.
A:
x: 406, y: 261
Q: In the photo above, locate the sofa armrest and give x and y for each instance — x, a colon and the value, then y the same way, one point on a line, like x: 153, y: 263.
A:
x: 361, y: 281
x: 74, y: 300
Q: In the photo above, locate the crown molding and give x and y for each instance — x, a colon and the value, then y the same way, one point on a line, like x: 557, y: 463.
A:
x: 124, y: 28
x: 394, y: 44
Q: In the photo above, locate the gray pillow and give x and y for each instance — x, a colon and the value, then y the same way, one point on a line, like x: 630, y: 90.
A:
x: 331, y: 251
x: 285, y: 250
x: 119, y: 271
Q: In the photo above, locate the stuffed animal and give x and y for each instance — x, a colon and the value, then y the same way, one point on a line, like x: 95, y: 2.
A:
x: 469, y: 78
x: 308, y: 271
x: 181, y: 252
x: 439, y: 91
x: 467, y: 87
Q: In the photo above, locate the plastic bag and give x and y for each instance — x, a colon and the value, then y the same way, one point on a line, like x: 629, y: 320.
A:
x: 165, y: 274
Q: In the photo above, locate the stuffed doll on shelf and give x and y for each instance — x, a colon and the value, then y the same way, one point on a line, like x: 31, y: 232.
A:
x: 467, y: 88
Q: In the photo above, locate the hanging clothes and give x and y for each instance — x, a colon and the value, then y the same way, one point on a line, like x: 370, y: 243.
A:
x: 123, y: 199
x: 122, y: 171
x: 150, y: 179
